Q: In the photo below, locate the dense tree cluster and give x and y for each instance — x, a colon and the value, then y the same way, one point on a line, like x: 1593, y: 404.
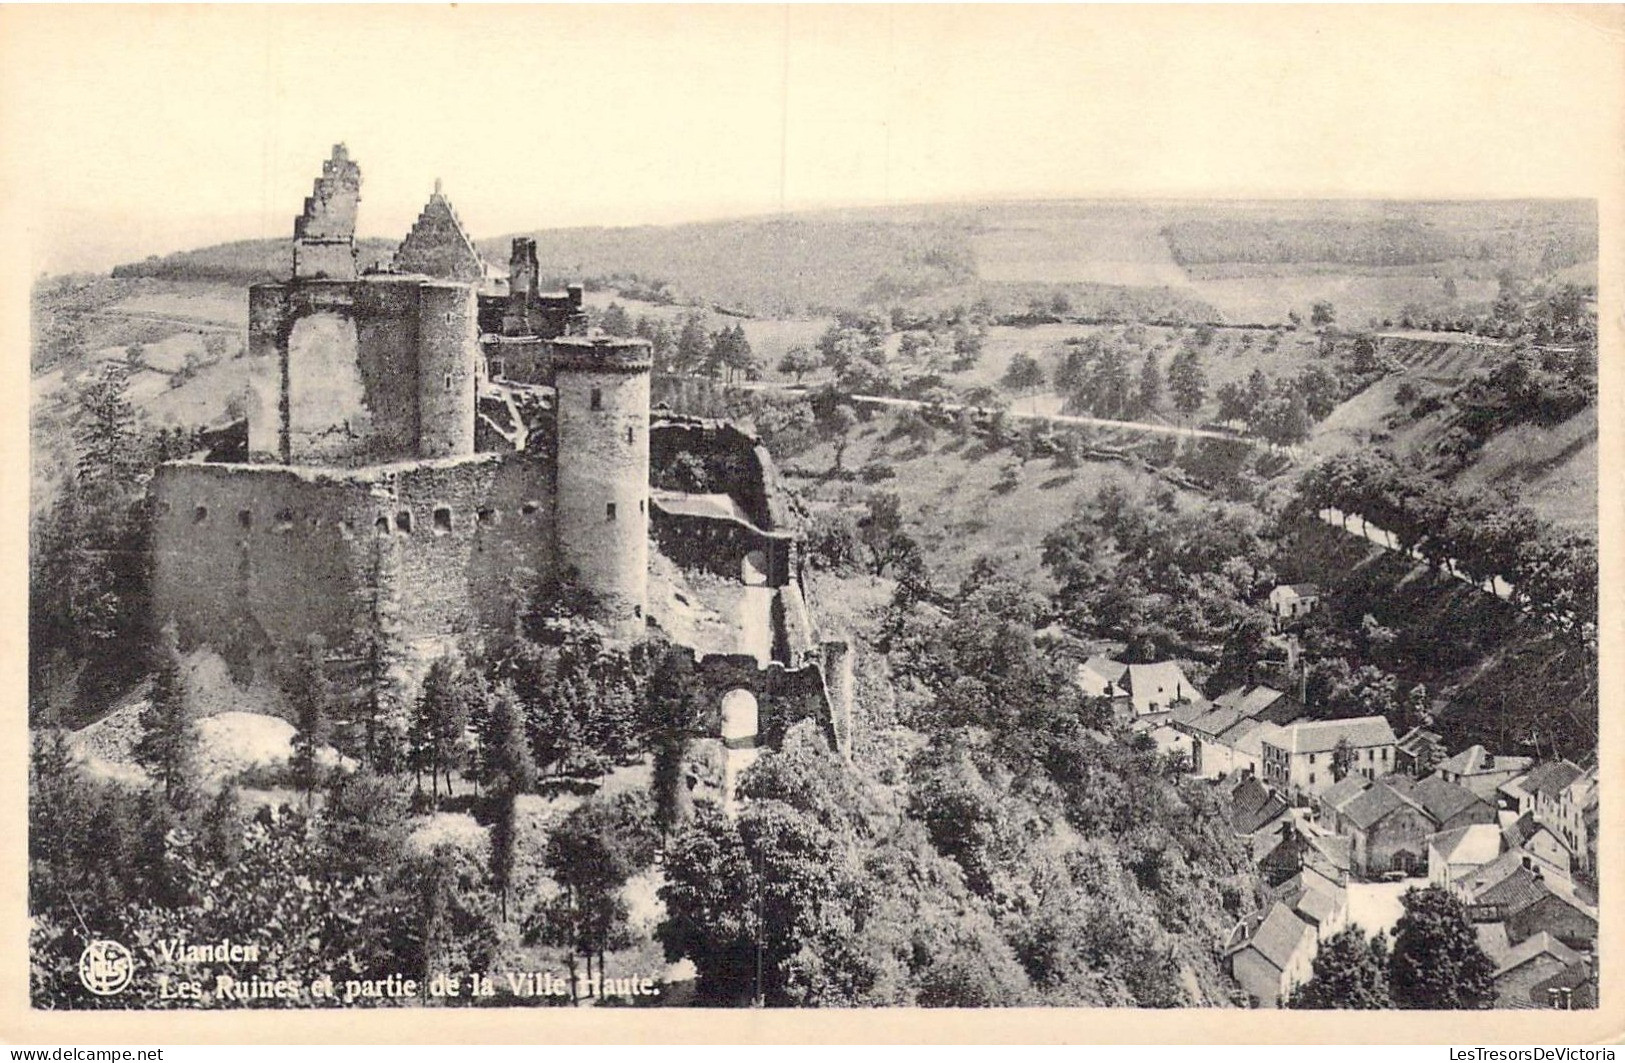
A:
x: 343, y: 891
x: 1435, y: 963
x: 1147, y: 571
x: 89, y: 553
x: 1554, y: 573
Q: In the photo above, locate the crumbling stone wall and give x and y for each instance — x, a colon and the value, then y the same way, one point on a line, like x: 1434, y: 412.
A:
x: 784, y: 696
x: 720, y: 544
x: 347, y: 374
x: 324, y: 233
x: 249, y: 559
x: 735, y: 463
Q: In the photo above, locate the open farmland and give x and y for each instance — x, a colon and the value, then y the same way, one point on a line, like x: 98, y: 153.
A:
x: 952, y: 499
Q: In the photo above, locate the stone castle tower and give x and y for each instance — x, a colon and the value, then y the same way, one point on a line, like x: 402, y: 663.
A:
x: 602, y: 497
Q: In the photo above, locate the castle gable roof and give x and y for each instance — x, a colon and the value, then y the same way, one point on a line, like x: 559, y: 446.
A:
x: 438, y: 246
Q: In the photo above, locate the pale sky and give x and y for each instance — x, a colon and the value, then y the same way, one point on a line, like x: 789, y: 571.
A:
x: 139, y: 130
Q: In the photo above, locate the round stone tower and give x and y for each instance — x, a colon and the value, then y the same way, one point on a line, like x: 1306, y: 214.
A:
x: 601, y: 508
x: 448, y: 353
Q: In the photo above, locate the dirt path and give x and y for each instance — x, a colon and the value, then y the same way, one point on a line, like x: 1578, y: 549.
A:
x: 1051, y: 418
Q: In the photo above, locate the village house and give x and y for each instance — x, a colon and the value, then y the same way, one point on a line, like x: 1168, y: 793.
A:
x: 1522, y: 793
x: 1316, y: 900
x: 1567, y: 814
x: 1299, y: 759
x: 1389, y: 831
x: 1574, y: 987
x: 1139, y: 692
x: 1418, y: 752
x: 1289, y: 601
x: 1276, y: 957
x: 1453, y: 854
x: 1335, y: 798
x: 1481, y: 771
x: 1530, y: 963
x: 1529, y: 835
x: 1557, y: 911
x: 1210, y: 757
x: 1246, y: 743
x: 1261, y: 703
x: 1515, y: 890
x: 1447, y: 804
x: 1304, y: 849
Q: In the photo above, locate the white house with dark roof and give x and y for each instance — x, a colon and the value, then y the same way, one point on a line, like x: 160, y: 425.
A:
x: 1139, y: 692
x: 1276, y: 957
x: 1292, y: 600
x: 1299, y: 758
x: 1539, y: 787
x: 1481, y: 771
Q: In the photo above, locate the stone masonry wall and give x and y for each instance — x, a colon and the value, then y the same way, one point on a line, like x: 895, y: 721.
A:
x: 248, y: 559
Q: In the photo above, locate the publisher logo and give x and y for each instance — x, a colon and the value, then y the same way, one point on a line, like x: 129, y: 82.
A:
x: 106, y: 967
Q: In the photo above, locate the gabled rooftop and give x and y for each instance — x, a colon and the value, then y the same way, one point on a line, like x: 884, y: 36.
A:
x: 1548, y: 779
x: 1280, y: 935
x: 1533, y: 946
x: 1321, y: 736
x: 439, y: 246
x: 1477, y: 844
x: 1440, y: 799
x: 1476, y: 760
x: 1375, y: 804
x: 1340, y: 793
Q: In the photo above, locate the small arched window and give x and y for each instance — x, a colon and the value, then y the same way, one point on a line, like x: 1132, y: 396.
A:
x: 442, y: 520
x: 200, y: 514
x: 597, y: 399
x: 403, y: 522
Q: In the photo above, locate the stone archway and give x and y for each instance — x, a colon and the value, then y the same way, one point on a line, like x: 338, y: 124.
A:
x: 740, y: 725
x: 753, y: 569
x: 740, y: 718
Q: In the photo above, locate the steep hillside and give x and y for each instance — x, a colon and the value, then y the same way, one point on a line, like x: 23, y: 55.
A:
x: 1495, y: 676
x: 1552, y: 469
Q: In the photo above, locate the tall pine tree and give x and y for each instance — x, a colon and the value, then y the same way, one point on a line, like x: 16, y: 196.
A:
x: 167, y: 747
x: 311, y: 695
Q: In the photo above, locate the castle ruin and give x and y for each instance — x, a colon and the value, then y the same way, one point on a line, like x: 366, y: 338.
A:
x: 421, y: 443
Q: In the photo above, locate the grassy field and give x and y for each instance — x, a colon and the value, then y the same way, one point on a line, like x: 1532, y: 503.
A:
x: 951, y: 496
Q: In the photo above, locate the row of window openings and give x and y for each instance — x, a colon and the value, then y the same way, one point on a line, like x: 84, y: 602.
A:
x: 1369, y: 755
x: 403, y: 519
